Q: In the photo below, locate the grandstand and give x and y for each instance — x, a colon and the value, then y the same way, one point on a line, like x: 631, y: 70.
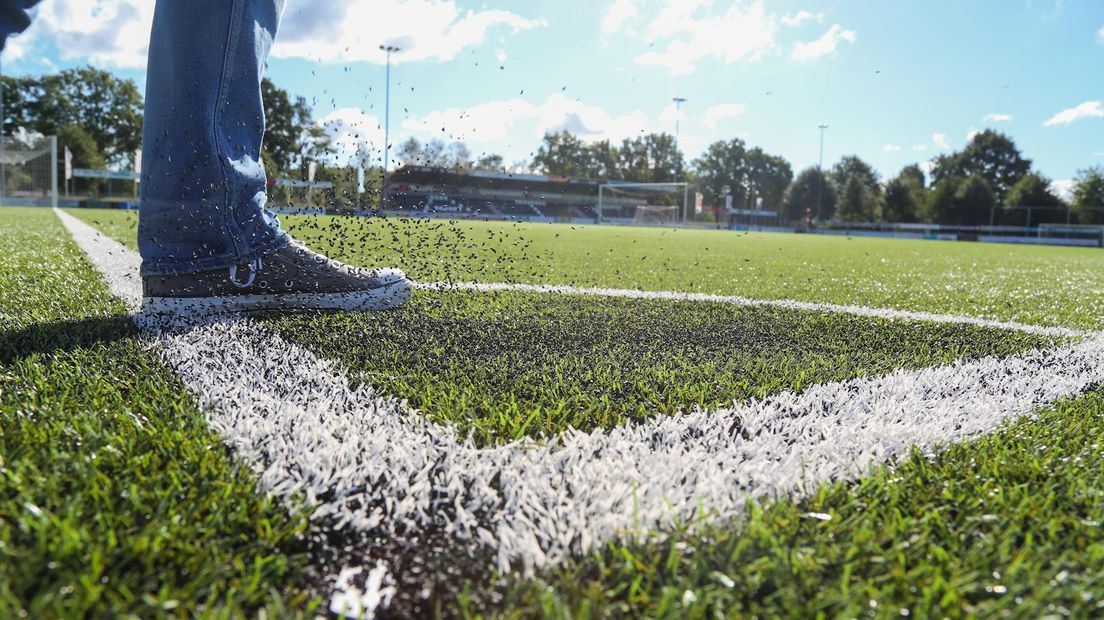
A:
x: 500, y: 195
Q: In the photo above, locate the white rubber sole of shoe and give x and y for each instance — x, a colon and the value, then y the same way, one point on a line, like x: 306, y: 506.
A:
x: 383, y: 298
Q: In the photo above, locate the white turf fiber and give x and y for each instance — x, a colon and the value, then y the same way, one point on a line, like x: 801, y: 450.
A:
x: 364, y: 460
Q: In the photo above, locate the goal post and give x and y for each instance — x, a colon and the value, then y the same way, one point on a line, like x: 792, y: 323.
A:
x: 630, y: 203
x: 1072, y: 234
x: 28, y: 170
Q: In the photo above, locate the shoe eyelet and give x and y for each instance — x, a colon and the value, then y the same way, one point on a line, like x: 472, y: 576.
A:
x: 289, y: 283
x: 263, y: 284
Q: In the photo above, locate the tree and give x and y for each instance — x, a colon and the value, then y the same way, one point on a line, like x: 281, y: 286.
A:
x: 730, y: 167
x: 1088, y: 195
x: 20, y: 95
x: 435, y: 154
x: 722, y: 168
x: 853, y: 166
x: 1033, y: 190
x: 646, y: 159
x: 991, y: 154
x: 489, y: 162
x: 286, y: 124
x: 853, y: 201
x: 605, y: 161
x: 562, y: 154
x: 86, y: 154
x: 914, y: 173
x: 800, y: 202
x: 410, y: 153
x: 649, y: 159
x: 108, y: 108
x: 901, y: 200
x: 961, y: 201
x: 768, y: 177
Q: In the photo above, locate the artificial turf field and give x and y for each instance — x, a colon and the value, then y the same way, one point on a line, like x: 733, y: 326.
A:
x: 116, y: 496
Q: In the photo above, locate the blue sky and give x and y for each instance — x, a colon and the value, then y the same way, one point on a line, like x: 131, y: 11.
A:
x: 898, y: 82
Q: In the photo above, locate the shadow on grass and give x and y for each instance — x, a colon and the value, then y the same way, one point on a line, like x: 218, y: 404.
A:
x: 63, y: 336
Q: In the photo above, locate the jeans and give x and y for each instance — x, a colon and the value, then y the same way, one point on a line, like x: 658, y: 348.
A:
x: 14, y: 18
x: 203, y: 197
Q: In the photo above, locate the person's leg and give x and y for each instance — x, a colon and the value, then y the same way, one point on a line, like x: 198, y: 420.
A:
x: 14, y: 18
x: 203, y: 187
x: 208, y: 245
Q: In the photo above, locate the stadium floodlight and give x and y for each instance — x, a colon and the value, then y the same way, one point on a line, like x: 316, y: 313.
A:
x: 628, y: 203
x: 389, y: 49
x: 820, y: 167
x: 678, y: 116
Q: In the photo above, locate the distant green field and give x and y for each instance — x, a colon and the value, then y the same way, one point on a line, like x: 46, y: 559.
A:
x: 1041, y: 285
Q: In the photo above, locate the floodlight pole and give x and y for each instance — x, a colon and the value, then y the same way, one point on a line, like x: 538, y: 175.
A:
x: 389, y: 49
x: 820, y: 168
x: 678, y: 110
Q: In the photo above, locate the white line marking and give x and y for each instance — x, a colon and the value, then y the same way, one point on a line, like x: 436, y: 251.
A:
x: 880, y: 313
x: 368, y: 463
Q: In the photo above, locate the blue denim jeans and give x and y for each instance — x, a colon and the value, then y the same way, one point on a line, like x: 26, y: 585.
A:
x: 14, y: 17
x: 203, y: 187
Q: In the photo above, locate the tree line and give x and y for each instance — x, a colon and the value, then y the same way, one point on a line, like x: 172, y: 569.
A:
x: 98, y: 117
x: 988, y: 181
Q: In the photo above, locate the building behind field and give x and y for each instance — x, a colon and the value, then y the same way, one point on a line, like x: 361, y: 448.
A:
x: 539, y: 198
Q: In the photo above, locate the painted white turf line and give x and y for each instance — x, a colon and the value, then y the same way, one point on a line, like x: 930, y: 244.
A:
x: 370, y: 464
x: 880, y: 313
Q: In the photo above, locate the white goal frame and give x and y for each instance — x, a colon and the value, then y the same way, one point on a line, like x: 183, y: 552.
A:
x: 685, y: 208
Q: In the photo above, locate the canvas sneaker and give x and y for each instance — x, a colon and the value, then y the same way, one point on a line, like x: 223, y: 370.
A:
x: 289, y: 279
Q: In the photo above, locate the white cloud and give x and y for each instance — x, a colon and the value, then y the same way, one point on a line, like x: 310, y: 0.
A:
x: 720, y: 112
x: 997, y: 118
x: 1100, y: 35
x: 670, y: 114
x: 354, y: 29
x: 1063, y: 188
x: 794, y: 19
x: 115, y: 33
x: 1089, y: 109
x: 496, y: 121
x: 892, y: 148
x: 940, y: 140
x: 620, y: 12
x: 104, y: 33
x: 687, y: 37
x: 970, y: 134
x: 354, y: 134
x: 919, y: 147
x: 825, y: 45
x: 501, y: 56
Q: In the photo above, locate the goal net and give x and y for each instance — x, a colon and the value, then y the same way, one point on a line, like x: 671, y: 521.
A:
x: 655, y: 214
x: 1072, y: 234
x: 643, y: 203
x: 28, y: 170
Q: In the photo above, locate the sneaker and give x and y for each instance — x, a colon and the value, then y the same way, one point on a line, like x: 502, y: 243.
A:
x: 289, y: 279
